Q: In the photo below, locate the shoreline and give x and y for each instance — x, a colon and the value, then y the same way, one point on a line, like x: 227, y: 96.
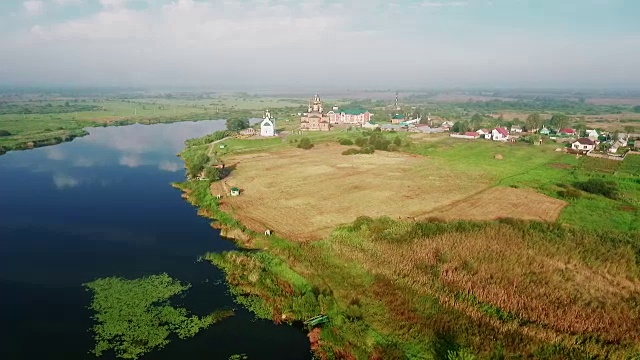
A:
x: 372, y: 308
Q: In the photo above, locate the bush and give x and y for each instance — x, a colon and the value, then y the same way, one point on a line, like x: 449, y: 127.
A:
x: 570, y: 193
x: 352, y: 151
x: 362, y: 142
x: 346, y: 142
x: 393, y: 147
x: 596, y: 186
x: 305, y: 143
x: 397, y: 141
x: 4, y: 133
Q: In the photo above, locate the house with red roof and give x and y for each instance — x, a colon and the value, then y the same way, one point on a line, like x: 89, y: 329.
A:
x: 567, y: 131
x: 499, y: 134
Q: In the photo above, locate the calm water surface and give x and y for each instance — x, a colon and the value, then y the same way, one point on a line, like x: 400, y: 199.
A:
x: 102, y: 206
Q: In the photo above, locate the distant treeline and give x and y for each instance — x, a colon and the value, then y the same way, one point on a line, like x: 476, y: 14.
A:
x: 8, y: 109
x: 566, y: 106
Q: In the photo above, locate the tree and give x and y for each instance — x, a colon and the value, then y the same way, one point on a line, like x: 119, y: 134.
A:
x: 533, y: 121
x: 236, y: 124
x: 459, y: 127
x: 305, y: 143
x: 636, y: 109
x: 629, y: 129
x: 559, y: 121
x: 581, y: 128
x: 397, y: 141
x: 476, y: 120
x: 381, y: 116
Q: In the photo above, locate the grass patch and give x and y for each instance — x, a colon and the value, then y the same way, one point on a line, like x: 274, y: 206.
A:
x: 134, y: 317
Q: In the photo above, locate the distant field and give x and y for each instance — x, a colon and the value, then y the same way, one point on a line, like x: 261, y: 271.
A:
x: 614, y: 101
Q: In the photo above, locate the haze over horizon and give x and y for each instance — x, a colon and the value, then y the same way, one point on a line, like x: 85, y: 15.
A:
x: 320, y: 43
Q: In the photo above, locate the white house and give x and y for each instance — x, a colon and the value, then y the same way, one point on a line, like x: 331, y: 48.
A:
x: 268, y: 125
x: 516, y: 129
x: 583, y: 144
x: 592, y: 134
x: 499, y: 134
x: 484, y: 133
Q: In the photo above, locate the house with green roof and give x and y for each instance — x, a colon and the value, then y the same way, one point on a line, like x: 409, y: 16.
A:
x: 353, y: 116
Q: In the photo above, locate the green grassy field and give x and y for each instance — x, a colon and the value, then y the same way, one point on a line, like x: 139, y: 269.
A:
x: 458, y: 290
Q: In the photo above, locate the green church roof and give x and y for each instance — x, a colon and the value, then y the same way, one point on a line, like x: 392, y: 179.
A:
x: 354, y: 111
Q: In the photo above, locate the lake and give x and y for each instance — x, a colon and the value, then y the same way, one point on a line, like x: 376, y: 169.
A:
x: 101, y: 206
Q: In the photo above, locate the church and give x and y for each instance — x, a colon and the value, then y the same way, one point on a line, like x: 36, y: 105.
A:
x: 268, y: 125
x: 314, y: 119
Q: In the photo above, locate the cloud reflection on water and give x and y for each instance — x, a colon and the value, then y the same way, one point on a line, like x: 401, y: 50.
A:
x: 62, y: 181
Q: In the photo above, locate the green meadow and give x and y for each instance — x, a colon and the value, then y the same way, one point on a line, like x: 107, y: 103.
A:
x: 458, y: 290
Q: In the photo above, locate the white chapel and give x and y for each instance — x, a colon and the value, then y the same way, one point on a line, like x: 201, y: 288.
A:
x: 268, y: 125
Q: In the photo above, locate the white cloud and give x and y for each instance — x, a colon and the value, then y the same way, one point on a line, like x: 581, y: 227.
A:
x: 306, y: 44
x: 68, y: 2
x: 113, y: 3
x: 62, y: 181
x: 54, y: 153
x: 83, y: 162
x: 169, y: 166
x: 131, y: 161
x: 33, y: 7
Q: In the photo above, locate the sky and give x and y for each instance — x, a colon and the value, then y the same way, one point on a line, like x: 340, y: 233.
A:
x: 358, y: 44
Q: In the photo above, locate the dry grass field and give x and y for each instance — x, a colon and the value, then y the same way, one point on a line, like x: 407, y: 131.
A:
x: 503, y: 202
x: 304, y: 194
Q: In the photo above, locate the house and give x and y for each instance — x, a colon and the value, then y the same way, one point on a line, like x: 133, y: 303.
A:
x: 350, y: 116
x: 268, y: 125
x: 567, y: 132
x: 516, y: 129
x: 484, y: 133
x: 235, y: 191
x: 583, y: 144
x: 314, y: 119
x: 592, y: 134
x: 544, y: 131
x: 370, y: 125
x: 397, y: 119
x: 499, y: 134
x: 447, y: 124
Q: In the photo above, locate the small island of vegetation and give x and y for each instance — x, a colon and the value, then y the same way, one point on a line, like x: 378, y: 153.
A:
x: 134, y: 317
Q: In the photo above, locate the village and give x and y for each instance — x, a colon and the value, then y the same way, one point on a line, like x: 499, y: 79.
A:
x: 589, y: 142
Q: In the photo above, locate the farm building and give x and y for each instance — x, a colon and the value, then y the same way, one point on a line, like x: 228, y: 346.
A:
x: 516, y: 129
x: 499, y: 134
x: 583, y: 144
x: 466, y: 135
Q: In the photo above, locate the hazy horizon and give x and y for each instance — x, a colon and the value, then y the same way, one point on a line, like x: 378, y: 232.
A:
x: 320, y: 44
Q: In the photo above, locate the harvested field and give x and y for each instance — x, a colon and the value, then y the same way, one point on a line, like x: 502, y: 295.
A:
x: 503, y: 202
x: 304, y: 194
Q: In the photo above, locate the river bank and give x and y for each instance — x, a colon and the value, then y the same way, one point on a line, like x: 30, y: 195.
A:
x: 433, y: 289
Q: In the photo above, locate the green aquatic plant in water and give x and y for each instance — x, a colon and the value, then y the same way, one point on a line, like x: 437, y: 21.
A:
x: 134, y: 316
